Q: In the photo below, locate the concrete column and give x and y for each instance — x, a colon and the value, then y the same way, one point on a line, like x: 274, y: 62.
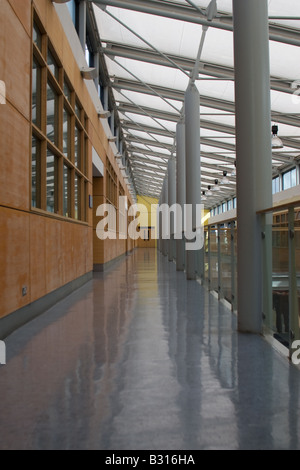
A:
x: 254, y: 152
x: 159, y: 241
x: 112, y: 122
x: 82, y: 23
x: 192, y: 165
x: 105, y: 105
x: 164, y: 218
x: 180, y: 192
x: 172, y: 201
x: 97, y: 67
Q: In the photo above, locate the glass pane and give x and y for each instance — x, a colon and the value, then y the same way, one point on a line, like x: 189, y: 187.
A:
x: 77, y: 146
x: 67, y: 91
x: 72, y: 9
x: 214, y: 269
x: 66, y: 192
x: 206, y: 257
x: 225, y: 241
x: 77, y: 196
x: 35, y: 170
x: 280, y: 279
x: 78, y: 110
x: 52, y: 113
x: 51, y: 180
x: 52, y: 64
x: 290, y: 179
x: 36, y: 93
x: 66, y: 133
x: 294, y: 178
x: 37, y: 36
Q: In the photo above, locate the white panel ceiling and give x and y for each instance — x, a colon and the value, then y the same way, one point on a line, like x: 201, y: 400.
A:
x: 149, y: 96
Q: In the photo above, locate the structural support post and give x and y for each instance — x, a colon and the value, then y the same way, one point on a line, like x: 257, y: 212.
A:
x: 180, y: 194
x: 164, y: 222
x: 254, y: 152
x: 193, y: 167
x: 172, y: 202
x: 159, y: 234
x: 82, y: 23
x: 106, y: 104
x: 112, y: 122
x: 97, y: 67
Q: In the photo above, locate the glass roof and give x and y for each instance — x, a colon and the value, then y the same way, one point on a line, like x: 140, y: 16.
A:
x: 149, y: 59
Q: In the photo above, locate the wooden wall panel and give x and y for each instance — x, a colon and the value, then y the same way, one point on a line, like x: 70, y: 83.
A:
x: 37, y: 249
x: 54, y: 255
x: 15, y: 59
x: 14, y: 158
x: 14, y: 256
x: 22, y: 8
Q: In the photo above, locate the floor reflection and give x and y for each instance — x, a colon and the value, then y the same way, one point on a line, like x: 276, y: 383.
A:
x: 141, y: 359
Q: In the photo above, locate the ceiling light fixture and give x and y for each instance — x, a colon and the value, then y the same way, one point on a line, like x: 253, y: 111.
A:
x: 209, y: 192
x: 225, y: 180
x: 217, y: 186
x: 276, y: 141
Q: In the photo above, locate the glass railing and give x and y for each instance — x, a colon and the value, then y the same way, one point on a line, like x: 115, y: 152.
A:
x: 280, y: 266
x: 281, y: 269
x: 220, y: 261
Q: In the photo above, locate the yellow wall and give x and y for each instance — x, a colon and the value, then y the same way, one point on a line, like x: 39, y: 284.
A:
x: 147, y: 218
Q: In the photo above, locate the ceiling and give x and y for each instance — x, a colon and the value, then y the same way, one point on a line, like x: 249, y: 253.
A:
x: 150, y: 48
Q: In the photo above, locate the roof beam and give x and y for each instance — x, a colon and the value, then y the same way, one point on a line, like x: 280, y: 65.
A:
x: 146, y: 160
x: 135, y: 150
x: 139, y: 140
x: 183, y: 12
x: 206, y: 68
x: 287, y: 119
x: 141, y: 175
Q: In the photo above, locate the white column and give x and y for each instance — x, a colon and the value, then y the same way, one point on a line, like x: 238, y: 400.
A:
x: 180, y: 191
x: 193, y: 167
x: 254, y: 152
x: 172, y: 202
x: 82, y: 23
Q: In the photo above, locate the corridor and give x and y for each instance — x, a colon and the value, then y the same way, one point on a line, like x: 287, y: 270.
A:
x: 141, y: 359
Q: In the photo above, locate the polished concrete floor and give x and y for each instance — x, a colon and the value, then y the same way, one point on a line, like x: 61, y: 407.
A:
x: 141, y: 359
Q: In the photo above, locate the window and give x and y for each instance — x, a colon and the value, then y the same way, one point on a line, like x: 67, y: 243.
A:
x: 289, y: 179
x: 66, y: 191
x: 35, y: 173
x: 229, y: 205
x: 36, y: 92
x: 77, y: 146
x: 37, y: 36
x: 51, y: 188
x: 66, y: 133
x: 234, y: 203
x: 111, y: 184
x: 52, y: 114
x: 59, y: 179
x: 224, y: 207
x: 53, y: 65
x: 276, y: 185
x: 67, y: 91
x: 72, y: 9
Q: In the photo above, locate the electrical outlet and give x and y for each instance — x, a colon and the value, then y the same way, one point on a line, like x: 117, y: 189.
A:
x: 24, y: 291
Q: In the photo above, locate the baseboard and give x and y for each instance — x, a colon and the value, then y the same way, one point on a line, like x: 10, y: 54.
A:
x: 20, y: 317
x: 101, y: 268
